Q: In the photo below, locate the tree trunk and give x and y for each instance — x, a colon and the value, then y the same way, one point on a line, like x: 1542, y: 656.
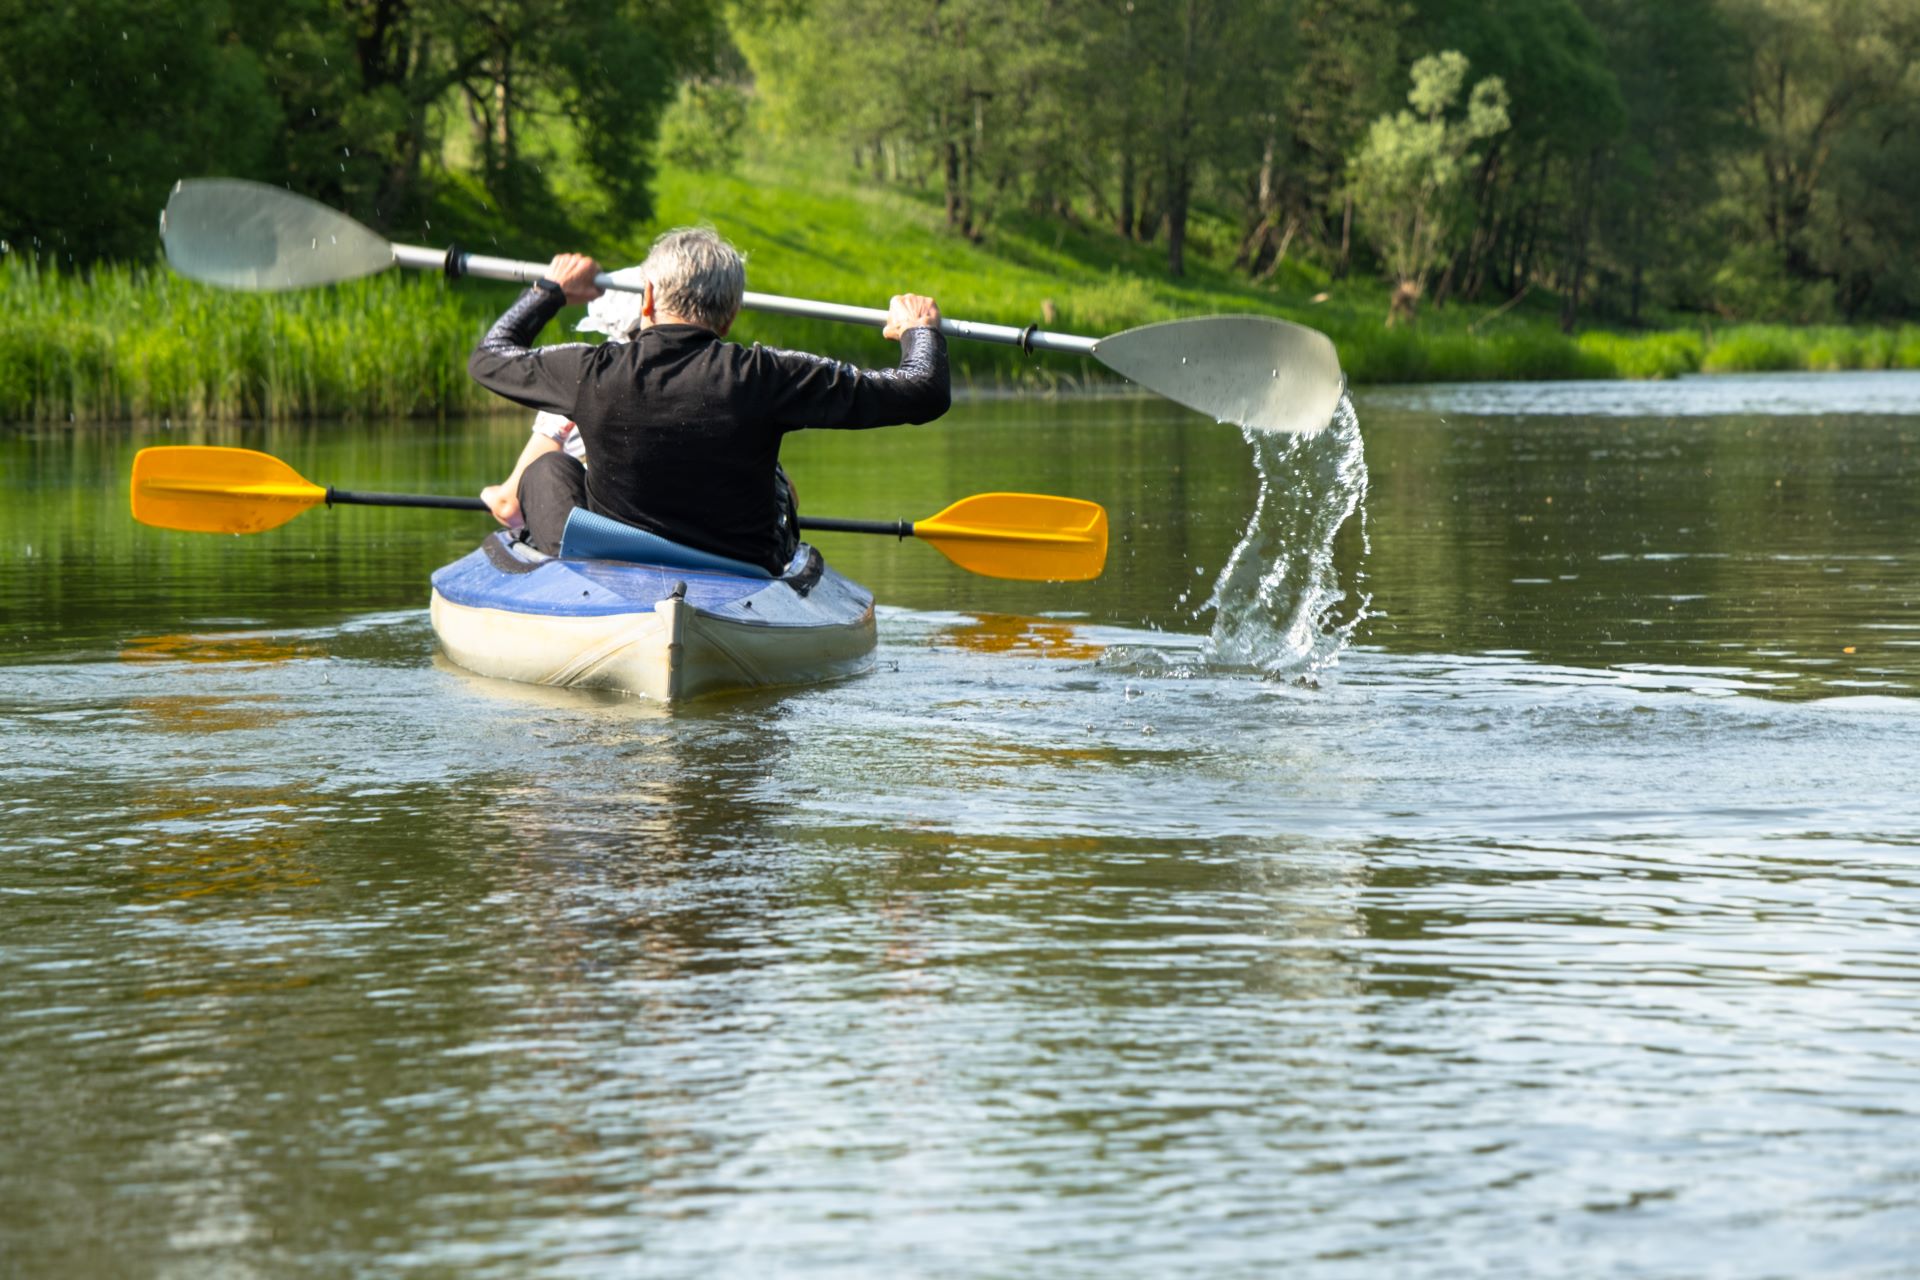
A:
x: 1253, y: 245
x: 1180, y: 167
x: 1344, y: 263
x: 1405, y: 304
x: 1177, y: 221
x: 1280, y: 253
x: 1147, y: 215
x: 503, y: 111
x: 950, y: 173
x: 1583, y: 222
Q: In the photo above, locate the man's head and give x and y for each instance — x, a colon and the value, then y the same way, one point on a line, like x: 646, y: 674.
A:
x: 696, y: 276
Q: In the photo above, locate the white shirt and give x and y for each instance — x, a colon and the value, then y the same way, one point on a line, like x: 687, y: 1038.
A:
x: 556, y: 428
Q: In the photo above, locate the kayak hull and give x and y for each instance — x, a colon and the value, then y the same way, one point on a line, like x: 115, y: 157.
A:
x: 665, y: 633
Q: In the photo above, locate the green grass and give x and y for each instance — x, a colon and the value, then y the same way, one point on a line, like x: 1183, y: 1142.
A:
x: 140, y: 343
x: 1644, y: 355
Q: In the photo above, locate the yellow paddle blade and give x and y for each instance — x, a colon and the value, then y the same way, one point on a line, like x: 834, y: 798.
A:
x: 1033, y: 537
x: 204, y: 489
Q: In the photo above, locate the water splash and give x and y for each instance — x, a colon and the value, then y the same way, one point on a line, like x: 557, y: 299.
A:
x: 1278, y: 604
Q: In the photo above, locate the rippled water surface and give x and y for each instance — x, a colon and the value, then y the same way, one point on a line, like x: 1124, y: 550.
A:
x: 1548, y: 907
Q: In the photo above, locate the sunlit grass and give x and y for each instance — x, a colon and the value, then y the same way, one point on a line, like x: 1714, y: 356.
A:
x: 1644, y: 355
x: 143, y: 344
x: 1820, y: 348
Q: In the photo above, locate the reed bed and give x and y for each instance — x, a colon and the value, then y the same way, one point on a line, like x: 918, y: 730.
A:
x: 133, y: 343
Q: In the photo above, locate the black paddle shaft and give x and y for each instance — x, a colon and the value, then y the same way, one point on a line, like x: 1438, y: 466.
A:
x: 827, y: 524
x: 445, y: 502
x: 448, y: 502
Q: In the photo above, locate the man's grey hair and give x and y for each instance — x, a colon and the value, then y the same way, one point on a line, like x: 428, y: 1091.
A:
x: 696, y: 274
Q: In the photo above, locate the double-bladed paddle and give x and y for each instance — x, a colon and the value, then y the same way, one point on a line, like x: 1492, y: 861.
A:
x: 1255, y: 371
x: 1033, y: 537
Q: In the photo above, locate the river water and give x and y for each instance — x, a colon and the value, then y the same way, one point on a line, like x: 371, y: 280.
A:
x: 1547, y: 906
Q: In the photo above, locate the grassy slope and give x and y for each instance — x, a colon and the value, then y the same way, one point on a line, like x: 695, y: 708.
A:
x: 821, y: 235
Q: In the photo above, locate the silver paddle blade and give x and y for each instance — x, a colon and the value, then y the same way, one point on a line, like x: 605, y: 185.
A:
x: 1253, y: 371
x: 247, y: 235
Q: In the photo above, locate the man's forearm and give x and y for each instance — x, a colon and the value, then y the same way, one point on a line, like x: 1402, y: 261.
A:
x: 923, y: 370
x: 507, y: 363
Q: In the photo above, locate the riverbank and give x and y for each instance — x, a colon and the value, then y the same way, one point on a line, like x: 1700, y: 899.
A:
x: 137, y: 343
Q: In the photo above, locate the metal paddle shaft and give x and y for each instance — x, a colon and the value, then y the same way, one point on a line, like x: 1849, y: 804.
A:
x: 1256, y: 371
x: 455, y: 262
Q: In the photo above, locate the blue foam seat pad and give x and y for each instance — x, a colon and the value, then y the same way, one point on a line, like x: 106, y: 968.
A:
x: 589, y: 536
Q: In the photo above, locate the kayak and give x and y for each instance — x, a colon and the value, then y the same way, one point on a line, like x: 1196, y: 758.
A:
x: 623, y: 609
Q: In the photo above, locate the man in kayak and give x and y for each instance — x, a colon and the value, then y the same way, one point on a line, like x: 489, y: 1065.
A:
x: 684, y: 429
x: 616, y: 314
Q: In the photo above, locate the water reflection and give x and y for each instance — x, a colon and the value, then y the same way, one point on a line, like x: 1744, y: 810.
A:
x: 1029, y: 637
x: 239, y: 646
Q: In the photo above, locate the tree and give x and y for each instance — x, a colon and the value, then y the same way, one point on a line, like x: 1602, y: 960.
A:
x: 1349, y: 63
x: 1661, y: 175
x: 104, y: 104
x: 1828, y: 94
x: 1406, y: 176
x: 937, y: 85
x: 368, y: 87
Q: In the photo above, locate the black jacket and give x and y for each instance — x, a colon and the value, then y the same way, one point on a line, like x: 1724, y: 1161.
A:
x: 683, y: 429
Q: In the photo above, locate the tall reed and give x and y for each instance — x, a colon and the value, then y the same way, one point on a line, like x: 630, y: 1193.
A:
x: 140, y: 343
x: 134, y: 343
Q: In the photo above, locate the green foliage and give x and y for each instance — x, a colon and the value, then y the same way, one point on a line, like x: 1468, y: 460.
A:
x: 1777, y: 348
x: 703, y: 129
x: 1657, y: 182
x: 1758, y: 159
x: 358, y: 105
x: 1833, y: 123
x: 103, y: 105
x: 1644, y: 355
x: 1753, y: 280
x: 1408, y: 170
x: 130, y: 343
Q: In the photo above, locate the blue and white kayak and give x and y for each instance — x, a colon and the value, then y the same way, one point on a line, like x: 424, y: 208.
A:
x: 622, y: 609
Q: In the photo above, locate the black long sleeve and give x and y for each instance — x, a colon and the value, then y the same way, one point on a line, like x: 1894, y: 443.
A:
x: 507, y: 363
x: 813, y: 391
x: 683, y: 430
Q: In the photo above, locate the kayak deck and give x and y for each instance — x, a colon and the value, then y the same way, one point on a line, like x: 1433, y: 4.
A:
x: 667, y: 633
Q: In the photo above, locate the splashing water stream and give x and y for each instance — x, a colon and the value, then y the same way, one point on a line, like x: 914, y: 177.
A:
x: 1277, y: 603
